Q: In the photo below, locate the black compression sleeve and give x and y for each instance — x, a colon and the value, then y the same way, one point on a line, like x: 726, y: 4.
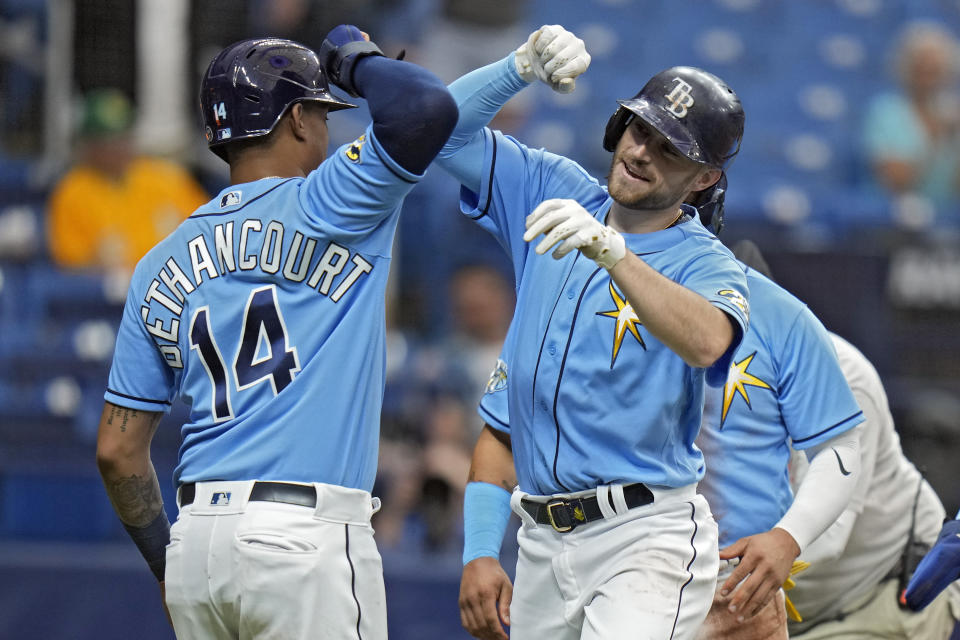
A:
x: 152, y: 542
x: 413, y: 113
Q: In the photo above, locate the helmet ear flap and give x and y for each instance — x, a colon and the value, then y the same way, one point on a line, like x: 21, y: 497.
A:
x: 709, y: 204
x: 616, y: 125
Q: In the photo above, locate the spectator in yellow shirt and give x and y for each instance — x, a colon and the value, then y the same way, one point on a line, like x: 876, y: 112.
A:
x: 114, y: 205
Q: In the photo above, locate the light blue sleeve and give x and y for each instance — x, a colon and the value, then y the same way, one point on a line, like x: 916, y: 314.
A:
x: 815, y: 400
x: 720, y: 279
x: 516, y: 179
x: 494, y: 407
x: 355, y: 190
x: 140, y: 377
x: 503, y: 180
x: 479, y: 96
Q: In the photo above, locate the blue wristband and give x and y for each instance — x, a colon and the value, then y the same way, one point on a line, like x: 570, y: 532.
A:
x: 486, y: 511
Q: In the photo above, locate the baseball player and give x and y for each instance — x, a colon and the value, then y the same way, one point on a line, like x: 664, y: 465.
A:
x: 861, y: 565
x: 264, y: 310
x: 771, y: 395
x: 614, y: 334
x: 784, y: 386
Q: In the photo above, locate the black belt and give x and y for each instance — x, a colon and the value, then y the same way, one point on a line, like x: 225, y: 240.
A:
x: 565, y: 515
x: 299, y: 494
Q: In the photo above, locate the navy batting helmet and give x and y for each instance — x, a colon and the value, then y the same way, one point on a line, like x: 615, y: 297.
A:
x: 699, y: 115
x: 696, y: 111
x: 249, y: 86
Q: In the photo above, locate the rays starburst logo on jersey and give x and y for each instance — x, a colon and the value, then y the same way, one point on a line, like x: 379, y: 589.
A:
x: 353, y: 151
x: 738, y: 379
x: 627, y: 320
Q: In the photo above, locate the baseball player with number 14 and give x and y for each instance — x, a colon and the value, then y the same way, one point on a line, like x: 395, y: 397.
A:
x: 264, y: 311
x: 613, y: 338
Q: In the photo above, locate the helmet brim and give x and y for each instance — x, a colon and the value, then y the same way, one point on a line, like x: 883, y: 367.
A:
x: 333, y: 102
x: 666, y: 125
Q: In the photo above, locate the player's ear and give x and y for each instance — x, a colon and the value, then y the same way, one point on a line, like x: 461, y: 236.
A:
x: 296, y: 121
x: 706, y: 179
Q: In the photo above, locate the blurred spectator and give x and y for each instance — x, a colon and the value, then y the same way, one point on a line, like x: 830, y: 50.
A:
x: 429, y: 413
x: 451, y: 432
x: 114, y: 204
x: 911, y: 133
x: 481, y: 303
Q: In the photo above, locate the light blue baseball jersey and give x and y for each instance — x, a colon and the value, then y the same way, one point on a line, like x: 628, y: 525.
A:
x: 785, y: 384
x: 265, y: 312
x: 594, y: 398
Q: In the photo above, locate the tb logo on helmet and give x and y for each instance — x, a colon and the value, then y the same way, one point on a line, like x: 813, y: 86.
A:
x: 680, y: 98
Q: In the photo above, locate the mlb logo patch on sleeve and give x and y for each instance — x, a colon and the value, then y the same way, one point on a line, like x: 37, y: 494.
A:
x: 231, y: 199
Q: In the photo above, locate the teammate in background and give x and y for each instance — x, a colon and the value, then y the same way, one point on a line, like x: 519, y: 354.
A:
x: 265, y: 310
x: 611, y: 353
x: 784, y: 385
x: 860, y: 566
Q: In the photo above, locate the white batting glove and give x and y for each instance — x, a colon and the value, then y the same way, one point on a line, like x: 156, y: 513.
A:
x: 567, y: 223
x: 554, y: 55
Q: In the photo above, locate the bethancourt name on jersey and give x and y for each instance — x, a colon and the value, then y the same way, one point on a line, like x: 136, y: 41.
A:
x: 207, y: 265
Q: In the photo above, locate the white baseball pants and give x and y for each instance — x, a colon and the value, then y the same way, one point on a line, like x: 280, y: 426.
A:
x: 642, y: 573
x: 239, y: 569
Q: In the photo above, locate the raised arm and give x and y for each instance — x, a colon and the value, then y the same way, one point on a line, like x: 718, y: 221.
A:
x: 413, y: 113
x: 551, y: 53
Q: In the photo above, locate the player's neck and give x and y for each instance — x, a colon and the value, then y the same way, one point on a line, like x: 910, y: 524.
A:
x: 255, y: 169
x: 627, y: 220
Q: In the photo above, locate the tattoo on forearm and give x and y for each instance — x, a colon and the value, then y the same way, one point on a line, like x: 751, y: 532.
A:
x: 136, y: 499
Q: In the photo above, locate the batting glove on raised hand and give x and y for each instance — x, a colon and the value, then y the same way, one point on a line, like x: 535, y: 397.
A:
x: 553, y: 55
x: 937, y: 570
x: 340, y: 51
x: 568, y: 223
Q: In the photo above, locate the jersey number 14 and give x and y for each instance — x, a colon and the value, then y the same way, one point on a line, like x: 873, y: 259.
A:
x: 264, y: 352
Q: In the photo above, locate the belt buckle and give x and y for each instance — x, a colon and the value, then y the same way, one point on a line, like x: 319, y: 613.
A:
x: 565, y: 526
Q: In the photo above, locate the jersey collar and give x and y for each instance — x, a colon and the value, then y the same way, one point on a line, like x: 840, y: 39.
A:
x: 659, y: 240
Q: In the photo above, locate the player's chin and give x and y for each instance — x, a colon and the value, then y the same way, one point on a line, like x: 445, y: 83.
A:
x: 629, y: 193
x: 632, y: 200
